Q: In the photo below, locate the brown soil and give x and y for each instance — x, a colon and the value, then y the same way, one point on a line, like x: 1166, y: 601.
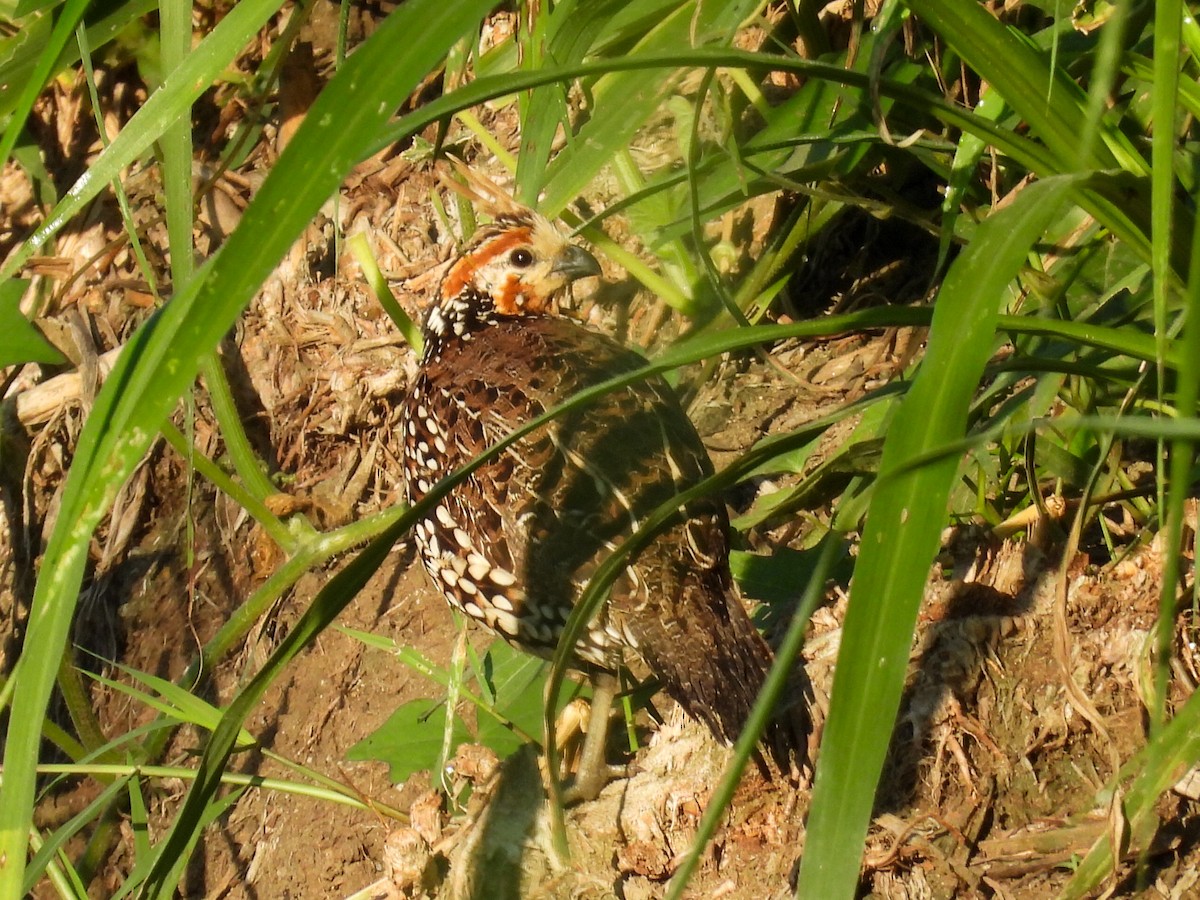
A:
x: 1011, y: 723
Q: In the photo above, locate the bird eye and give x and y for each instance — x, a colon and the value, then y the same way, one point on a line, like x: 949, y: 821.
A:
x: 521, y: 258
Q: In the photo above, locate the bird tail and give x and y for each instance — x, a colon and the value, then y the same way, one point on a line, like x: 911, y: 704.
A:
x: 716, y: 669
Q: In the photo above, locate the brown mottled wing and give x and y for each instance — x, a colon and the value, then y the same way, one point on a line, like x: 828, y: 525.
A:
x: 549, y: 509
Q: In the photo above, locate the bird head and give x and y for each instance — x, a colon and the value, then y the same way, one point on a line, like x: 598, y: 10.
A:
x: 517, y: 266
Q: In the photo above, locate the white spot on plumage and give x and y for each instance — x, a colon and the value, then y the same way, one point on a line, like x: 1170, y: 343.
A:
x: 472, y: 609
x: 505, y: 622
x: 502, y: 577
x: 443, y: 516
x: 477, y: 568
x: 501, y: 602
x: 449, y: 576
x: 462, y: 538
x: 436, y: 323
x: 465, y: 584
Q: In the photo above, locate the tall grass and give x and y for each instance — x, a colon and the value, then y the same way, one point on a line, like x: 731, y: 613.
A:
x: 1066, y: 157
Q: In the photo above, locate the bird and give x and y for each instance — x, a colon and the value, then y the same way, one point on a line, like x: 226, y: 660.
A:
x: 514, y: 544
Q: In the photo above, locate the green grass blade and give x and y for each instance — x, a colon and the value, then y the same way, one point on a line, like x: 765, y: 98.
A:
x: 174, y: 99
x: 162, y: 359
x: 20, y: 342
x: 69, y: 829
x: 1168, y: 15
x: 760, y: 715
x: 1107, y: 198
x: 1051, y: 103
x: 625, y: 100
x: 21, y: 54
x: 64, y: 27
x: 1174, y: 749
x: 176, y: 703
x: 175, y: 145
x: 325, y: 607
x: 906, y: 517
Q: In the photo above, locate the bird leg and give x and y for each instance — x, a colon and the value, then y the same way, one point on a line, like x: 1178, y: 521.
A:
x: 593, y: 771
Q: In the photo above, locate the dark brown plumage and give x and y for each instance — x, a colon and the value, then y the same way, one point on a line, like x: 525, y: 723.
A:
x: 514, y: 544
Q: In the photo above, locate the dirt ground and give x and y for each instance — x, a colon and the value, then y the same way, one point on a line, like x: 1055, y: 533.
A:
x: 1026, y: 679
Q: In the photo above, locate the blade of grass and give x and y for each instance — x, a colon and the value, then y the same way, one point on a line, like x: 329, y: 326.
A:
x: 905, y: 520
x: 162, y: 359
x: 1172, y: 750
x: 1047, y: 99
x: 193, y: 76
x: 22, y: 54
x: 1104, y: 196
x: 622, y: 101
x: 64, y: 28
x: 69, y: 829
x: 211, y: 770
x: 1168, y: 18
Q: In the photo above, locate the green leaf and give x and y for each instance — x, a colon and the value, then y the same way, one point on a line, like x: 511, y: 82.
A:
x: 58, y: 839
x: 64, y: 27
x: 517, y: 681
x: 907, y: 514
x: 20, y: 342
x: 622, y: 101
x: 780, y: 576
x: 177, y: 703
x: 1045, y: 97
x: 22, y: 54
x: 411, y: 739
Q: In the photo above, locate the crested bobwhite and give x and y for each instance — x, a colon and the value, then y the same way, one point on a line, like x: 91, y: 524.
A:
x: 513, y: 545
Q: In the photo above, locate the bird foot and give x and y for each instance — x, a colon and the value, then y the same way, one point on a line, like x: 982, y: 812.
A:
x: 592, y: 721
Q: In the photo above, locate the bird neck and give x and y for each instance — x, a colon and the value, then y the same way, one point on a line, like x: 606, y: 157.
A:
x: 456, y: 318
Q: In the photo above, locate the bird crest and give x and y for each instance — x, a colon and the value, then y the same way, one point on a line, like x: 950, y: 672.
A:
x: 485, y: 195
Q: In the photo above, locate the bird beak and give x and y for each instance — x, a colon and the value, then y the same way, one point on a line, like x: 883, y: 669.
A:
x: 575, y: 262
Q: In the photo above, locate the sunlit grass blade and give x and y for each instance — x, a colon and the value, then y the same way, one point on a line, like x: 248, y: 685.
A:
x: 162, y: 359
x: 64, y: 27
x: 906, y: 517
x: 1168, y: 16
x: 1054, y: 106
x: 175, y: 702
x: 1105, y: 196
x: 162, y: 108
x: 330, y: 601
x: 63, y: 833
x: 624, y: 100
x: 383, y: 294
x: 20, y: 342
x: 1172, y: 751
x: 22, y: 53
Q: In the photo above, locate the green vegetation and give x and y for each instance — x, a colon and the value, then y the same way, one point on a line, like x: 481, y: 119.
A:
x: 1060, y: 137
